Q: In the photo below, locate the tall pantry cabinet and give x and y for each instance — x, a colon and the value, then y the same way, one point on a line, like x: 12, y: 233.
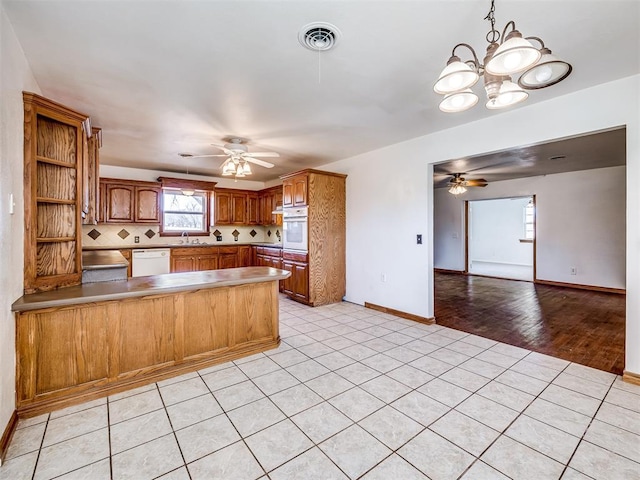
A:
x: 319, y: 276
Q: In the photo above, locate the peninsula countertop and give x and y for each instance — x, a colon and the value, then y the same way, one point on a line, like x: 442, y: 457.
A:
x: 138, y: 246
x: 144, y: 286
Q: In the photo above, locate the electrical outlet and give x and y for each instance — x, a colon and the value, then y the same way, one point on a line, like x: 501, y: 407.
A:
x: 136, y: 239
x: 218, y: 238
x: 419, y: 239
x: 574, y: 270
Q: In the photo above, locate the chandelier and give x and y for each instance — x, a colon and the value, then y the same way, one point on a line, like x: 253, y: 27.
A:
x: 505, y: 56
x: 237, y: 166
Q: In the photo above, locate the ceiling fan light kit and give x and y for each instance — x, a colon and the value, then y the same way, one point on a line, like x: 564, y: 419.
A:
x: 506, y: 55
x: 458, y: 184
x: 238, y: 157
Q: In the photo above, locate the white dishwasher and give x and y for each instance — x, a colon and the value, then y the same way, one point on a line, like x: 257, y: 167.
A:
x: 154, y: 261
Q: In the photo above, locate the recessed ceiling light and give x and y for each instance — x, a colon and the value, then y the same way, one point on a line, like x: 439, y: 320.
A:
x: 319, y: 36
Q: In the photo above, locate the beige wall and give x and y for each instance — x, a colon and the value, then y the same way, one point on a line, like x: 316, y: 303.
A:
x: 16, y: 76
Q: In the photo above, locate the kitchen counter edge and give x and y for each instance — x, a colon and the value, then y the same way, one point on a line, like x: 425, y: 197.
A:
x: 138, y: 246
x: 145, y: 286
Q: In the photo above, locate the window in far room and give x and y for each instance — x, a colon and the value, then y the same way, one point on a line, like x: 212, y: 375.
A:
x: 529, y: 218
x: 184, y: 213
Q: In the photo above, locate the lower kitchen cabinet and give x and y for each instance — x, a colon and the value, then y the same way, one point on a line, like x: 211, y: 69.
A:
x: 194, y: 259
x: 297, y: 285
x: 228, y: 257
x: 245, y: 256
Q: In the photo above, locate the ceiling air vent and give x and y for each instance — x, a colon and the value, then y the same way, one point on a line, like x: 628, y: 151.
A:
x: 319, y: 36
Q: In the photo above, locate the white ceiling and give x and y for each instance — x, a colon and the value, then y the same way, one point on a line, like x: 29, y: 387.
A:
x: 584, y: 152
x: 162, y: 77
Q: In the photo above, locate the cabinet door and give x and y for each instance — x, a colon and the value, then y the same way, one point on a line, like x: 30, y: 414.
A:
x: 287, y: 193
x: 244, y: 256
x: 299, y: 191
x: 184, y: 263
x: 228, y: 260
x: 91, y: 188
x: 287, y: 283
x: 253, y: 209
x: 119, y: 199
x: 301, y: 281
x: 239, y: 208
x: 222, y: 208
x: 147, y: 201
x: 208, y: 262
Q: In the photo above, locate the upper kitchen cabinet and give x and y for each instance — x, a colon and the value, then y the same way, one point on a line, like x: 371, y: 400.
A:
x: 130, y: 201
x: 294, y: 190
x: 270, y: 200
x: 54, y: 145
x: 91, y: 180
x: 230, y: 207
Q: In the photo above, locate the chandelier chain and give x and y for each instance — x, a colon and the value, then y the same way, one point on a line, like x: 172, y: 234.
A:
x: 492, y: 36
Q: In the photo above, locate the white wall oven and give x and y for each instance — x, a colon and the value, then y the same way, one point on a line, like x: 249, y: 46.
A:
x: 295, y: 227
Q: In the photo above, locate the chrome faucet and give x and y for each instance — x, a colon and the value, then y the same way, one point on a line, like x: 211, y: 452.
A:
x: 183, y: 234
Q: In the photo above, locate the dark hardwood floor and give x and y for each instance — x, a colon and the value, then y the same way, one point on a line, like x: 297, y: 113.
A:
x: 578, y: 325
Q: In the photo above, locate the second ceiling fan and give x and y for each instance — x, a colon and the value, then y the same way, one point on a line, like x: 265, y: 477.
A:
x: 238, y: 157
x: 458, y: 184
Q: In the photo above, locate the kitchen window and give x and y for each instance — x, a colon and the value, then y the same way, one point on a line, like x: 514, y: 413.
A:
x: 184, y: 213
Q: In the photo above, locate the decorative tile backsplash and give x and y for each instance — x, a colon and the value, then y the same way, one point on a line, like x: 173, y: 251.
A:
x: 124, y: 235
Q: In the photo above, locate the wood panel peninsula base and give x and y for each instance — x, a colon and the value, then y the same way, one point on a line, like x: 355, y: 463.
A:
x: 80, y: 343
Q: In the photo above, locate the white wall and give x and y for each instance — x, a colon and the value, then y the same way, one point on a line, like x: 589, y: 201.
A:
x: 580, y: 222
x: 495, y: 230
x: 15, y: 77
x: 387, y: 206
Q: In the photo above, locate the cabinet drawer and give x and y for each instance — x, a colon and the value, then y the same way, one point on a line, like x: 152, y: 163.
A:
x: 194, y: 251
x: 272, y: 252
x: 228, y: 250
x: 295, y: 256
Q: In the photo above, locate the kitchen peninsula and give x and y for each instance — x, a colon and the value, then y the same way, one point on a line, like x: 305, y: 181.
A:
x: 88, y: 341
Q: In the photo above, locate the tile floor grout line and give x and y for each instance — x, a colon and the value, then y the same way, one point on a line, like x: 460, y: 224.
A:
x: 35, y: 467
x: 175, y: 436
x: 242, y: 439
x: 109, y: 438
x: 593, y: 417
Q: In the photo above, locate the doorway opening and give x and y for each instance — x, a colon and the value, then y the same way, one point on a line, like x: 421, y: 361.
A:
x: 500, y: 237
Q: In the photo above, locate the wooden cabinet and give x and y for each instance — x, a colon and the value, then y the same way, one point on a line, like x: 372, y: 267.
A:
x: 91, y: 178
x: 194, y: 259
x: 297, y: 285
x: 54, y: 149
x: 244, y: 207
x: 119, y: 206
x: 254, y: 213
x: 128, y: 201
x: 323, y: 275
x: 244, y: 256
x: 126, y: 253
x: 222, y: 208
x: 294, y: 190
x: 228, y: 257
x: 230, y: 207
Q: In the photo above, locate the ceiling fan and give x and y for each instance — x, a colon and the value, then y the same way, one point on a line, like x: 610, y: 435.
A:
x: 458, y: 184
x: 238, y: 157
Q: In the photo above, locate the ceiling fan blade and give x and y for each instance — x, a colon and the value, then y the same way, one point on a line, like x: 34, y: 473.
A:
x: 262, y: 154
x: 262, y: 163
x: 480, y: 182
x: 223, y: 148
x: 205, y: 156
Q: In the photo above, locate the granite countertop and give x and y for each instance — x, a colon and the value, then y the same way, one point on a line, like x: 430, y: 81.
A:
x: 137, y: 246
x: 144, y: 286
x: 99, y: 260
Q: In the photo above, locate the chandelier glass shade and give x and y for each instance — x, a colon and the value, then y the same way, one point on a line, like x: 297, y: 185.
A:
x: 507, y: 54
x: 236, y: 166
x: 457, y: 189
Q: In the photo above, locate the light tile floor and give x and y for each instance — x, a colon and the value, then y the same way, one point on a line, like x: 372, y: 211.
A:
x: 350, y: 393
